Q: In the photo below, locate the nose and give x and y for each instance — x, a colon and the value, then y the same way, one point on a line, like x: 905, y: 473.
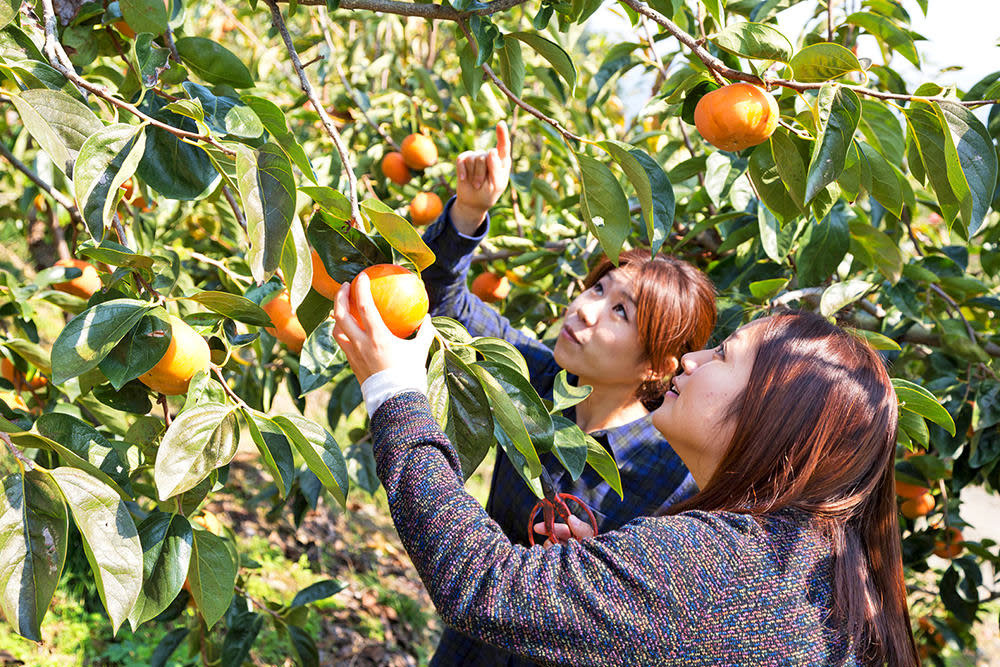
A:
x: 589, y: 311
x: 692, y: 360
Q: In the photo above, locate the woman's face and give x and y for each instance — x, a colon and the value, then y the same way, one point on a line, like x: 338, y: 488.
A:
x: 694, y: 414
x: 599, y: 341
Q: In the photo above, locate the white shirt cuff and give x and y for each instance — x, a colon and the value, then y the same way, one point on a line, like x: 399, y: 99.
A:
x: 381, y: 386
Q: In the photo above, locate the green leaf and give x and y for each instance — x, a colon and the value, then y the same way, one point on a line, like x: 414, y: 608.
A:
x: 321, y: 590
x: 507, y: 419
x: 878, y: 342
x: 500, y: 351
x: 529, y: 404
x: 59, y: 123
x: 267, y: 190
x: 106, y: 160
x: 839, y: 295
x: 893, y: 36
x: 140, y: 349
x: 770, y: 230
x: 472, y: 76
x: 331, y: 201
x: 822, y: 62
x: 115, y: 254
x: 303, y: 645
x: 461, y: 408
x: 767, y: 289
x: 274, y: 448
x: 212, y: 575
x: 823, y: 247
x: 67, y: 456
x: 882, y: 129
x: 971, y: 150
x: 34, y: 525
x: 565, y: 395
x: 570, y: 446
x: 86, y: 442
x: 518, y: 461
x: 876, y: 249
x: 8, y: 12
x: 225, y: 115
x: 653, y: 187
x: 167, y: 646
x: 605, y: 207
x: 274, y: 121
x: 167, y: 540
x: 110, y: 540
x: 399, y: 233
x: 148, y: 16
x: 345, y: 251
x: 213, y: 62
x: 884, y: 183
x: 791, y: 155
x: 938, y: 155
x: 148, y: 59
x: 173, y: 167
x: 91, y: 335
x: 839, y: 111
x: 604, y: 465
x: 296, y: 264
x: 754, y: 40
x: 233, y: 306
x: 512, y: 66
x: 198, y: 441
x: 764, y: 175
x: 557, y: 57
x: 321, y: 359
x: 917, y: 399
x: 321, y: 453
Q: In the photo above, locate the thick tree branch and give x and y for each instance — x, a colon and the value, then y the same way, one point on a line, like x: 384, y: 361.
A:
x: 427, y: 11
x: 716, y: 66
x: 345, y: 158
x: 60, y: 198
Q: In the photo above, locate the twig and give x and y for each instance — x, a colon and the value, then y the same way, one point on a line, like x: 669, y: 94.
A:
x: 345, y: 159
x: 229, y: 392
x: 514, y: 98
x: 116, y: 224
x: 553, y: 246
x: 829, y: 20
x: 57, y: 58
x: 257, y: 603
x: 18, y: 454
x: 219, y: 265
x: 718, y: 67
x: 162, y: 400
x: 59, y: 197
x: 233, y: 204
x: 168, y: 37
x: 427, y: 11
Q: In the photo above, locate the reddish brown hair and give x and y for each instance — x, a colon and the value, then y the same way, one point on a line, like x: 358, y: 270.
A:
x: 816, y: 430
x: 675, y: 310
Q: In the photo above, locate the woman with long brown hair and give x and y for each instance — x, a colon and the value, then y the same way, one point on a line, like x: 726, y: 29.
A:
x: 789, y: 554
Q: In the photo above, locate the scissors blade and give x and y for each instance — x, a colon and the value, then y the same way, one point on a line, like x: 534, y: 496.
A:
x: 548, y: 486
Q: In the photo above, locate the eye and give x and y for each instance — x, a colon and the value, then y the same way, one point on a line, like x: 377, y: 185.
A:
x: 622, y: 312
x: 598, y: 288
x: 720, y: 351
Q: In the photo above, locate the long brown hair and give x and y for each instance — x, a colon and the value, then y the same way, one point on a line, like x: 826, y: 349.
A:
x: 675, y: 310
x: 816, y: 431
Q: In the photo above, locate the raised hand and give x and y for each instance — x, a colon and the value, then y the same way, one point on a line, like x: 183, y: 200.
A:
x: 482, y: 178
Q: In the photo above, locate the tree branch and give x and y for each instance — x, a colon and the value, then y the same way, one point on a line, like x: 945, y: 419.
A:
x: 60, y: 198
x: 427, y: 11
x: 345, y: 158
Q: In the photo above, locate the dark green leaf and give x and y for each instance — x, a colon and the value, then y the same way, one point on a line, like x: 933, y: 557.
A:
x: 140, y: 349
x: 234, y: 306
x: 331, y: 201
x: 86, y: 442
x: 552, y: 52
x: 917, y: 399
x: 212, y: 575
x: 824, y: 61
x: 316, y: 592
x: 145, y: 15
x: 512, y: 66
x: 321, y: 359
x: 605, y: 207
x: 170, y: 166
x: 823, y: 247
x: 34, y: 524
x: 240, y: 638
x: 767, y: 181
x: 226, y: 115
x: 91, y: 335
x: 148, y: 59
x: 197, y: 442
x: 276, y: 125
x: 461, y: 408
x: 296, y: 264
x: 754, y: 40
x: 110, y: 540
x: 213, y: 62
x: 321, y: 453
x: 106, y: 160
x: 267, y: 190
x: 274, y: 448
x: 883, y: 130
x: 971, y: 147
x: 653, y: 187
x: 345, y: 251
x: 167, y: 646
x: 304, y: 646
x: 839, y: 112
x: 500, y: 351
x: 507, y: 418
x: 399, y: 233
x: 889, y: 33
x: 166, y: 541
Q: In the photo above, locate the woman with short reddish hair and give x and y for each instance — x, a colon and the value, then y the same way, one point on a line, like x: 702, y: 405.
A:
x: 789, y: 554
x: 623, y: 336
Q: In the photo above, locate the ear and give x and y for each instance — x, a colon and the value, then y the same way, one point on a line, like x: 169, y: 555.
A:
x: 670, y: 367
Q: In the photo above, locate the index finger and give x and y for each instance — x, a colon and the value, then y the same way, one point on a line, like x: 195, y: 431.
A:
x: 503, y: 140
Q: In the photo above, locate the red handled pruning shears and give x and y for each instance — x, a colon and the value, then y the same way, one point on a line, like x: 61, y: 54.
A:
x: 553, y: 505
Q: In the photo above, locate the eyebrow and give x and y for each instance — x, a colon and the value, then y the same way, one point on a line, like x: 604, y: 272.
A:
x: 619, y: 288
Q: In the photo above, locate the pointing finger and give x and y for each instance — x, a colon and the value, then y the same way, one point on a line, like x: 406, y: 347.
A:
x: 503, y: 140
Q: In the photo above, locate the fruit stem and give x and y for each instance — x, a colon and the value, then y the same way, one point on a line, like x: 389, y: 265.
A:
x: 23, y: 460
x: 226, y: 388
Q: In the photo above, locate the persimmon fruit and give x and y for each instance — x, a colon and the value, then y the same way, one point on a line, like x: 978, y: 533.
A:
x: 490, y: 287
x: 286, y: 327
x: 17, y: 378
x: 425, y: 208
x: 394, y: 168
x: 907, y: 490
x: 736, y: 116
x: 187, y: 354
x: 419, y: 152
x: 321, y: 281
x: 82, y: 286
x: 950, y: 544
x: 919, y: 506
x: 399, y: 295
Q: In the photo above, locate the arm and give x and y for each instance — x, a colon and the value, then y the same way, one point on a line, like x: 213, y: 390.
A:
x: 634, y: 592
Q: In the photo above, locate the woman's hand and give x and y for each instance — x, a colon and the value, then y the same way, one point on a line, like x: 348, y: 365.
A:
x: 581, y: 530
x: 482, y: 178
x: 369, y: 345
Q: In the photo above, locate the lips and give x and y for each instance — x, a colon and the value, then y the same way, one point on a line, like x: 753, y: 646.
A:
x: 568, y: 333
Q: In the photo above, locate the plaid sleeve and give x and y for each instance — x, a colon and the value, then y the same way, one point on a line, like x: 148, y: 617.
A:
x: 638, y: 592
x: 448, y: 291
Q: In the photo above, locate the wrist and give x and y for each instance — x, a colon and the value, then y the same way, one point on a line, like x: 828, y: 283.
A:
x: 467, y: 219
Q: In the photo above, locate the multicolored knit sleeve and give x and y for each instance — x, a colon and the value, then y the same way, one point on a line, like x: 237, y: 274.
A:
x: 634, y: 596
x: 447, y: 288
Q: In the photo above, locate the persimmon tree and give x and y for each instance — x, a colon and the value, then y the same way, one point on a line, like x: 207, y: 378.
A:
x: 199, y: 156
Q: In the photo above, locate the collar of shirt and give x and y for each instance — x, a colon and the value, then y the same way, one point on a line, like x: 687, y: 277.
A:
x: 623, y: 441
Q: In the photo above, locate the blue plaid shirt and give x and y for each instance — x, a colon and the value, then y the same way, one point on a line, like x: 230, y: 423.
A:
x: 653, y: 476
